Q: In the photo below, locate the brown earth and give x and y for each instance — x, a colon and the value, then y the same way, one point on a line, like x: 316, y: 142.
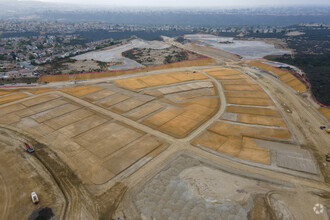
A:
x: 93, y: 146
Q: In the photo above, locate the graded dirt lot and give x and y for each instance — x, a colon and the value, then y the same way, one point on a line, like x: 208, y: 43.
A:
x: 210, y: 142
x: 284, y: 76
x: 325, y: 112
x: 74, y: 130
x: 249, y: 49
x: 12, y: 97
x: 98, y: 75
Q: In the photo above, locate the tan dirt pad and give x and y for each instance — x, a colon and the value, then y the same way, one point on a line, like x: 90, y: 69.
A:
x: 144, y: 111
x: 242, y: 87
x: 325, y: 111
x: 41, y: 107
x: 261, y: 120
x: 11, y: 108
x: 229, y: 129
x: 67, y: 119
x: 162, y: 117
x: 127, y: 105
x: 39, y: 100
x: 179, y: 126
x: 250, y: 101
x: 253, y: 110
x: 113, y: 100
x: 99, y: 95
x: 210, y: 140
x: 81, y: 90
x: 107, y: 138
x: 52, y: 113
x: 232, y: 146
x: 12, y: 97
x: 247, y: 94
x: 129, y: 156
x: 83, y: 125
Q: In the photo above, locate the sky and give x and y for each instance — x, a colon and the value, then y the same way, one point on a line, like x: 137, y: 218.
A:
x: 194, y: 3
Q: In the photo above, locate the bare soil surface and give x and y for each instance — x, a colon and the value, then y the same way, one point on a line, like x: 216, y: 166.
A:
x: 303, y: 119
x: 81, y: 131
x: 79, y: 66
x: 150, y: 57
x: 189, y: 187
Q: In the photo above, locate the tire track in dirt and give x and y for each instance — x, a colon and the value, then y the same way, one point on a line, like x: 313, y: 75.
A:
x: 60, y: 186
x: 5, y: 196
x: 75, y: 195
x: 70, y: 185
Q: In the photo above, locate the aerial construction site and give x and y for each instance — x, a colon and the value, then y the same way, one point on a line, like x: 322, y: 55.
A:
x: 217, y: 137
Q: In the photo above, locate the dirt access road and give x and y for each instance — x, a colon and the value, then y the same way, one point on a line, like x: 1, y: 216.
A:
x: 304, y: 119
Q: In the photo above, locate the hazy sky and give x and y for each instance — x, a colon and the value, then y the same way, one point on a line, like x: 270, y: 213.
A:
x: 195, y: 3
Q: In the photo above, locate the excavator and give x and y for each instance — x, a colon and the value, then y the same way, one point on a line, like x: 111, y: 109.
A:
x: 28, y: 148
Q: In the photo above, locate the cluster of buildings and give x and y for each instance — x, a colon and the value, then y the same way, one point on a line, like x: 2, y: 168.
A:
x: 21, y: 56
x: 25, y: 45
x: 54, y: 28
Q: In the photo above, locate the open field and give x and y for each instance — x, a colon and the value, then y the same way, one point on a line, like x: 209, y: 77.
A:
x: 192, y: 143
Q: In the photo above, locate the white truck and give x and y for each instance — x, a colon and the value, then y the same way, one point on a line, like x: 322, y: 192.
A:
x: 34, y: 198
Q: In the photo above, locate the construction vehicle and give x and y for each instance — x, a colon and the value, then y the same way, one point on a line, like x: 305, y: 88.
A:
x: 328, y: 130
x: 327, y: 157
x: 28, y: 148
x: 34, y: 198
